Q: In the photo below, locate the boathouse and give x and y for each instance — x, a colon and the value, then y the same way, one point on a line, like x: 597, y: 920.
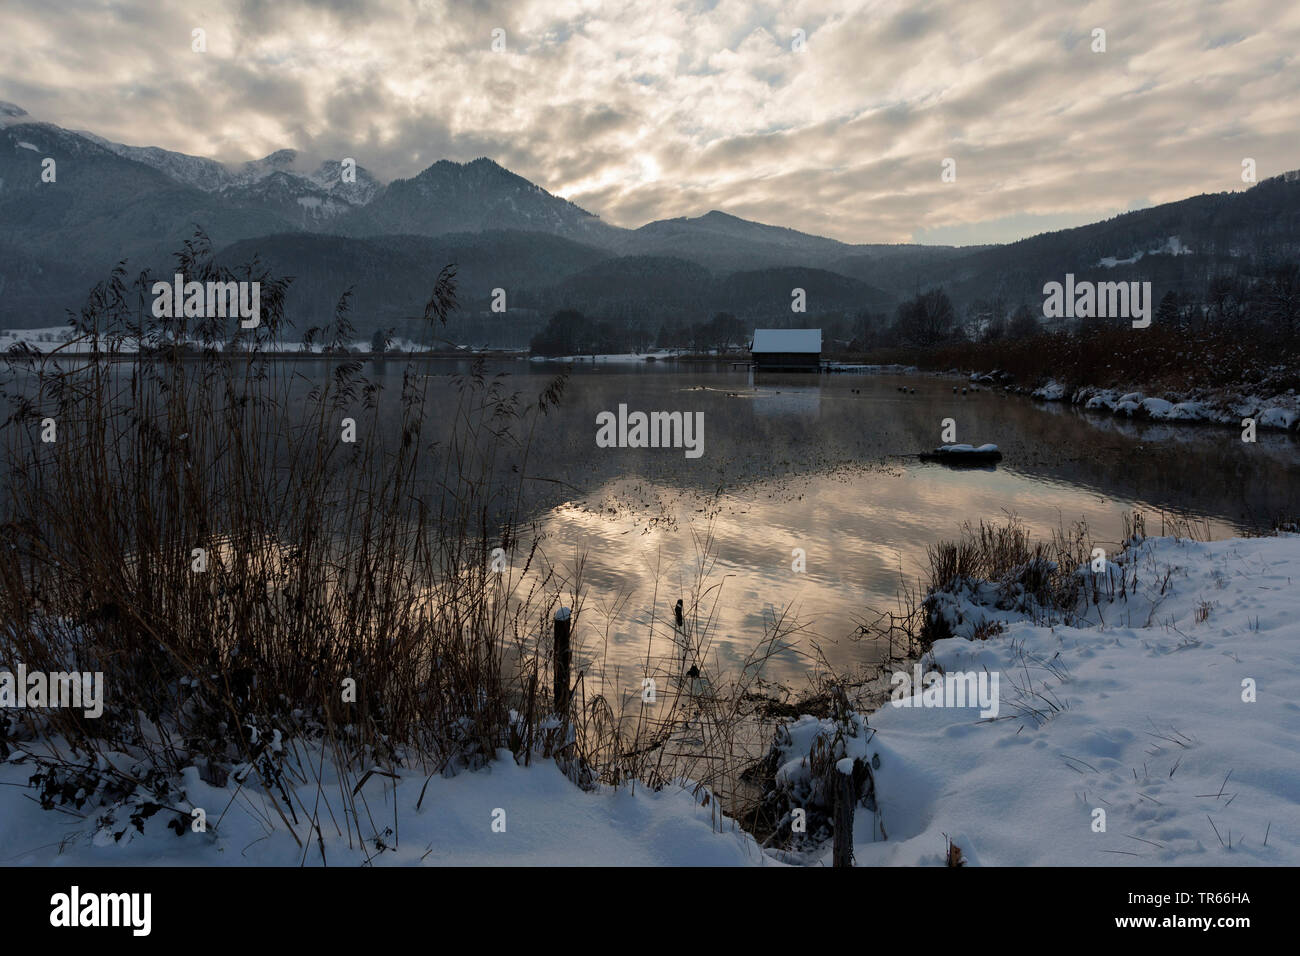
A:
x: 787, y: 350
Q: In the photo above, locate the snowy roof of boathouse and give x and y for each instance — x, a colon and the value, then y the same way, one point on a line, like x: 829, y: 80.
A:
x: 787, y: 340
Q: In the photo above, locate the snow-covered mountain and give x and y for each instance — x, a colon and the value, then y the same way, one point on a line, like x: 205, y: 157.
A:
x: 322, y: 191
x: 329, y: 177
x: 296, y: 198
x: 255, y: 170
x: 196, y: 171
x: 140, y: 203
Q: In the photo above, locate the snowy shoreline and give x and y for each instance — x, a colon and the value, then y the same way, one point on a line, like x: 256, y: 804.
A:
x: 1222, y: 407
x: 1139, y: 709
x: 1174, y: 709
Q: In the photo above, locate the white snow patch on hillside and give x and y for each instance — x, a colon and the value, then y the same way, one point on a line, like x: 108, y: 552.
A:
x: 1173, y: 246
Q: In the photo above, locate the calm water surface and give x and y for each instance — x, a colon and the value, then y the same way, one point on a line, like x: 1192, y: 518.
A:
x: 820, y: 463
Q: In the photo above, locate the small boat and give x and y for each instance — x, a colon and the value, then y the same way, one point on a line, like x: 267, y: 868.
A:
x: 964, y: 455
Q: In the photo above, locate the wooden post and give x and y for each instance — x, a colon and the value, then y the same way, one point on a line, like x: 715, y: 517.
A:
x: 532, y: 719
x: 563, y: 659
x: 843, y: 817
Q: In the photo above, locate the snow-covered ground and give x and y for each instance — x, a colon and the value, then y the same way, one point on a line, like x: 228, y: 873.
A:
x: 1140, y: 714
x: 504, y: 814
x: 1174, y: 707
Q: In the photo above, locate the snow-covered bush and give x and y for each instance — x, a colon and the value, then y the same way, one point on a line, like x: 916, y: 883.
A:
x: 797, y: 776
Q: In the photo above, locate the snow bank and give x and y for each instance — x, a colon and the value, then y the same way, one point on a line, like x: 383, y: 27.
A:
x: 1156, y: 407
x: 1053, y: 391
x: 1278, y: 417
x: 1139, y: 714
x: 963, y: 449
x: 548, y: 821
x: 1280, y: 412
x: 1187, y: 412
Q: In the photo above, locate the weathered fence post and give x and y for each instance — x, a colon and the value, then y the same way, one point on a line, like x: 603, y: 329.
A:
x: 842, y: 820
x: 563, y: 658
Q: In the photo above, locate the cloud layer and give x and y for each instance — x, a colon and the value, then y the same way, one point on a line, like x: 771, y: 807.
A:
x: 646, y: 110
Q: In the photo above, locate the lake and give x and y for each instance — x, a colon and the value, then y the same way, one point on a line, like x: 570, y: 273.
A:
x: 820, y: 463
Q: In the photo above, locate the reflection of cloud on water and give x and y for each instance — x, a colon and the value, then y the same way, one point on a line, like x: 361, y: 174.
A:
x: 863, y: 537
x: 796, y: 473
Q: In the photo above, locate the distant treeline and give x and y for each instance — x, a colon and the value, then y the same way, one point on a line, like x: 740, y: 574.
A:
x: 569, y: 332
x: 1242, y: 332
x: 1261, y: 300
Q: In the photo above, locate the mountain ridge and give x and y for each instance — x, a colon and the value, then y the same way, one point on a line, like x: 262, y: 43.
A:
x: 140, y: 203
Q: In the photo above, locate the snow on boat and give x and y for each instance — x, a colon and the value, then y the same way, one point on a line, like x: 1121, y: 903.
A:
x: 964, y: 454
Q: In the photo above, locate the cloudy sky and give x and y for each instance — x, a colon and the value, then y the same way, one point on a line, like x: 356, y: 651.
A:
x: 645, y: 110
